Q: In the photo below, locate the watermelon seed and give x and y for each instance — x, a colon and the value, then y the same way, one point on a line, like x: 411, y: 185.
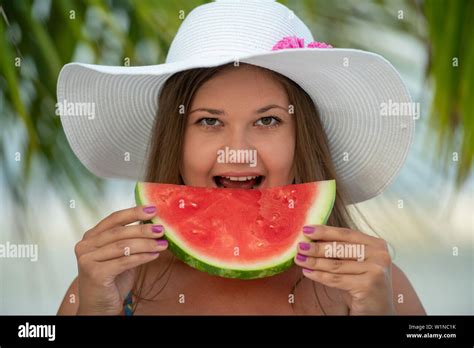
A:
x: 163, y: 198
x: 260, y: 244
x: 275, y: 216
x: 277, y: 196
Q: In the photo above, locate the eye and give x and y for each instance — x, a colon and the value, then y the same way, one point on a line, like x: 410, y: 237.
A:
x: 268, y: 121
x: 209, y: 122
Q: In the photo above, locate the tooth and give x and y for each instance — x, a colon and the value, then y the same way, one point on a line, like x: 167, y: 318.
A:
x: 239, y: 178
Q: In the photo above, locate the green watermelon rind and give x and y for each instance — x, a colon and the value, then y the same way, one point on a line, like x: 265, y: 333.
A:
x: 279, y: 265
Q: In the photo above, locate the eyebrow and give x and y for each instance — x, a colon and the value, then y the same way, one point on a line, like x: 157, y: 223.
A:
x: 222, y: 112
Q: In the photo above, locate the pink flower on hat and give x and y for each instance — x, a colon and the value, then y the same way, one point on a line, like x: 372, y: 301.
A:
x: 289, y: 42
x: 316, y: 44
x: 297, y: 42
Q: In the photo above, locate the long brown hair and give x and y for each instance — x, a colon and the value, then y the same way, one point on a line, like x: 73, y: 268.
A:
x: 312, y: 159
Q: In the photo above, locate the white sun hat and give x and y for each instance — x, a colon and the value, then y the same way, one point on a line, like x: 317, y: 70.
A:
x: 108, y: 111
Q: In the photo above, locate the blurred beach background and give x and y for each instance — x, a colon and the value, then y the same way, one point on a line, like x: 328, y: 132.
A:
x: 49, y: 199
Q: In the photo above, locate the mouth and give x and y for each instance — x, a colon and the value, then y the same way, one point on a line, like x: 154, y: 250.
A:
x: 239, y: 181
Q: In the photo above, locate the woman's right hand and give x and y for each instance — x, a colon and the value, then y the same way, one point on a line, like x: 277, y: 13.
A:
x: 107, y: 257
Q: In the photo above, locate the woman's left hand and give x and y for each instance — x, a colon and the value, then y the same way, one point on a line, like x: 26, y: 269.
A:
x: 352, y: 261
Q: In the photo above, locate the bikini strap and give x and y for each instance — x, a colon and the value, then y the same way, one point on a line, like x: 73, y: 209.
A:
x: 127, y: 304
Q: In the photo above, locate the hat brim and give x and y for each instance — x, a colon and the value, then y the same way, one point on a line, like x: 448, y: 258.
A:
x: 348, y: 86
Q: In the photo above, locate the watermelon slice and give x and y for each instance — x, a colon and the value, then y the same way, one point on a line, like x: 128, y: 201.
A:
x: 237, y: 233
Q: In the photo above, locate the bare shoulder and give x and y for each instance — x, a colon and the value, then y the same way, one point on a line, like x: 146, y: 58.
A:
x: 405, y: 298
x: 70, y: 303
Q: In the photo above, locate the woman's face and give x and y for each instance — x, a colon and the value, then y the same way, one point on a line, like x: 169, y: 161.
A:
x: 239, y: 126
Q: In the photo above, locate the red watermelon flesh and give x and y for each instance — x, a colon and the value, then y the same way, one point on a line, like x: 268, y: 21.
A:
x: 237, y: 233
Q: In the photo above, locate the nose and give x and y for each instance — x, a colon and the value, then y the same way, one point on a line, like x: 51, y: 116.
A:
x: 238, y: 139
x: 238, y: 146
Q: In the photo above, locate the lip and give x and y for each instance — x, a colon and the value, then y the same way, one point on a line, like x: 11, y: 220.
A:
x: 241, y: 174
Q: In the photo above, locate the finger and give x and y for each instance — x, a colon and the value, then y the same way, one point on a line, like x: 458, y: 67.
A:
x: 335, y: 250
x: 334, y: 280
x: 118, y: 266
x: 128, y: 247
x: 127, y: 232
x: 122, y: 218
x: 331, y: 265
x: 338, y: 234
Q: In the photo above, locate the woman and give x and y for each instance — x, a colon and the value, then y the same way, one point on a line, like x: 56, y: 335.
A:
x: 242, y: 105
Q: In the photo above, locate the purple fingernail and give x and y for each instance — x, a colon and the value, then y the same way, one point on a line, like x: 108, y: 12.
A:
x: 308, y: 229
x: 301, y: 257
x: 307, y: 270
x: 304, y: 246
x: 162, y: 242
x: 150, y: 209
x: 157, y: 228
